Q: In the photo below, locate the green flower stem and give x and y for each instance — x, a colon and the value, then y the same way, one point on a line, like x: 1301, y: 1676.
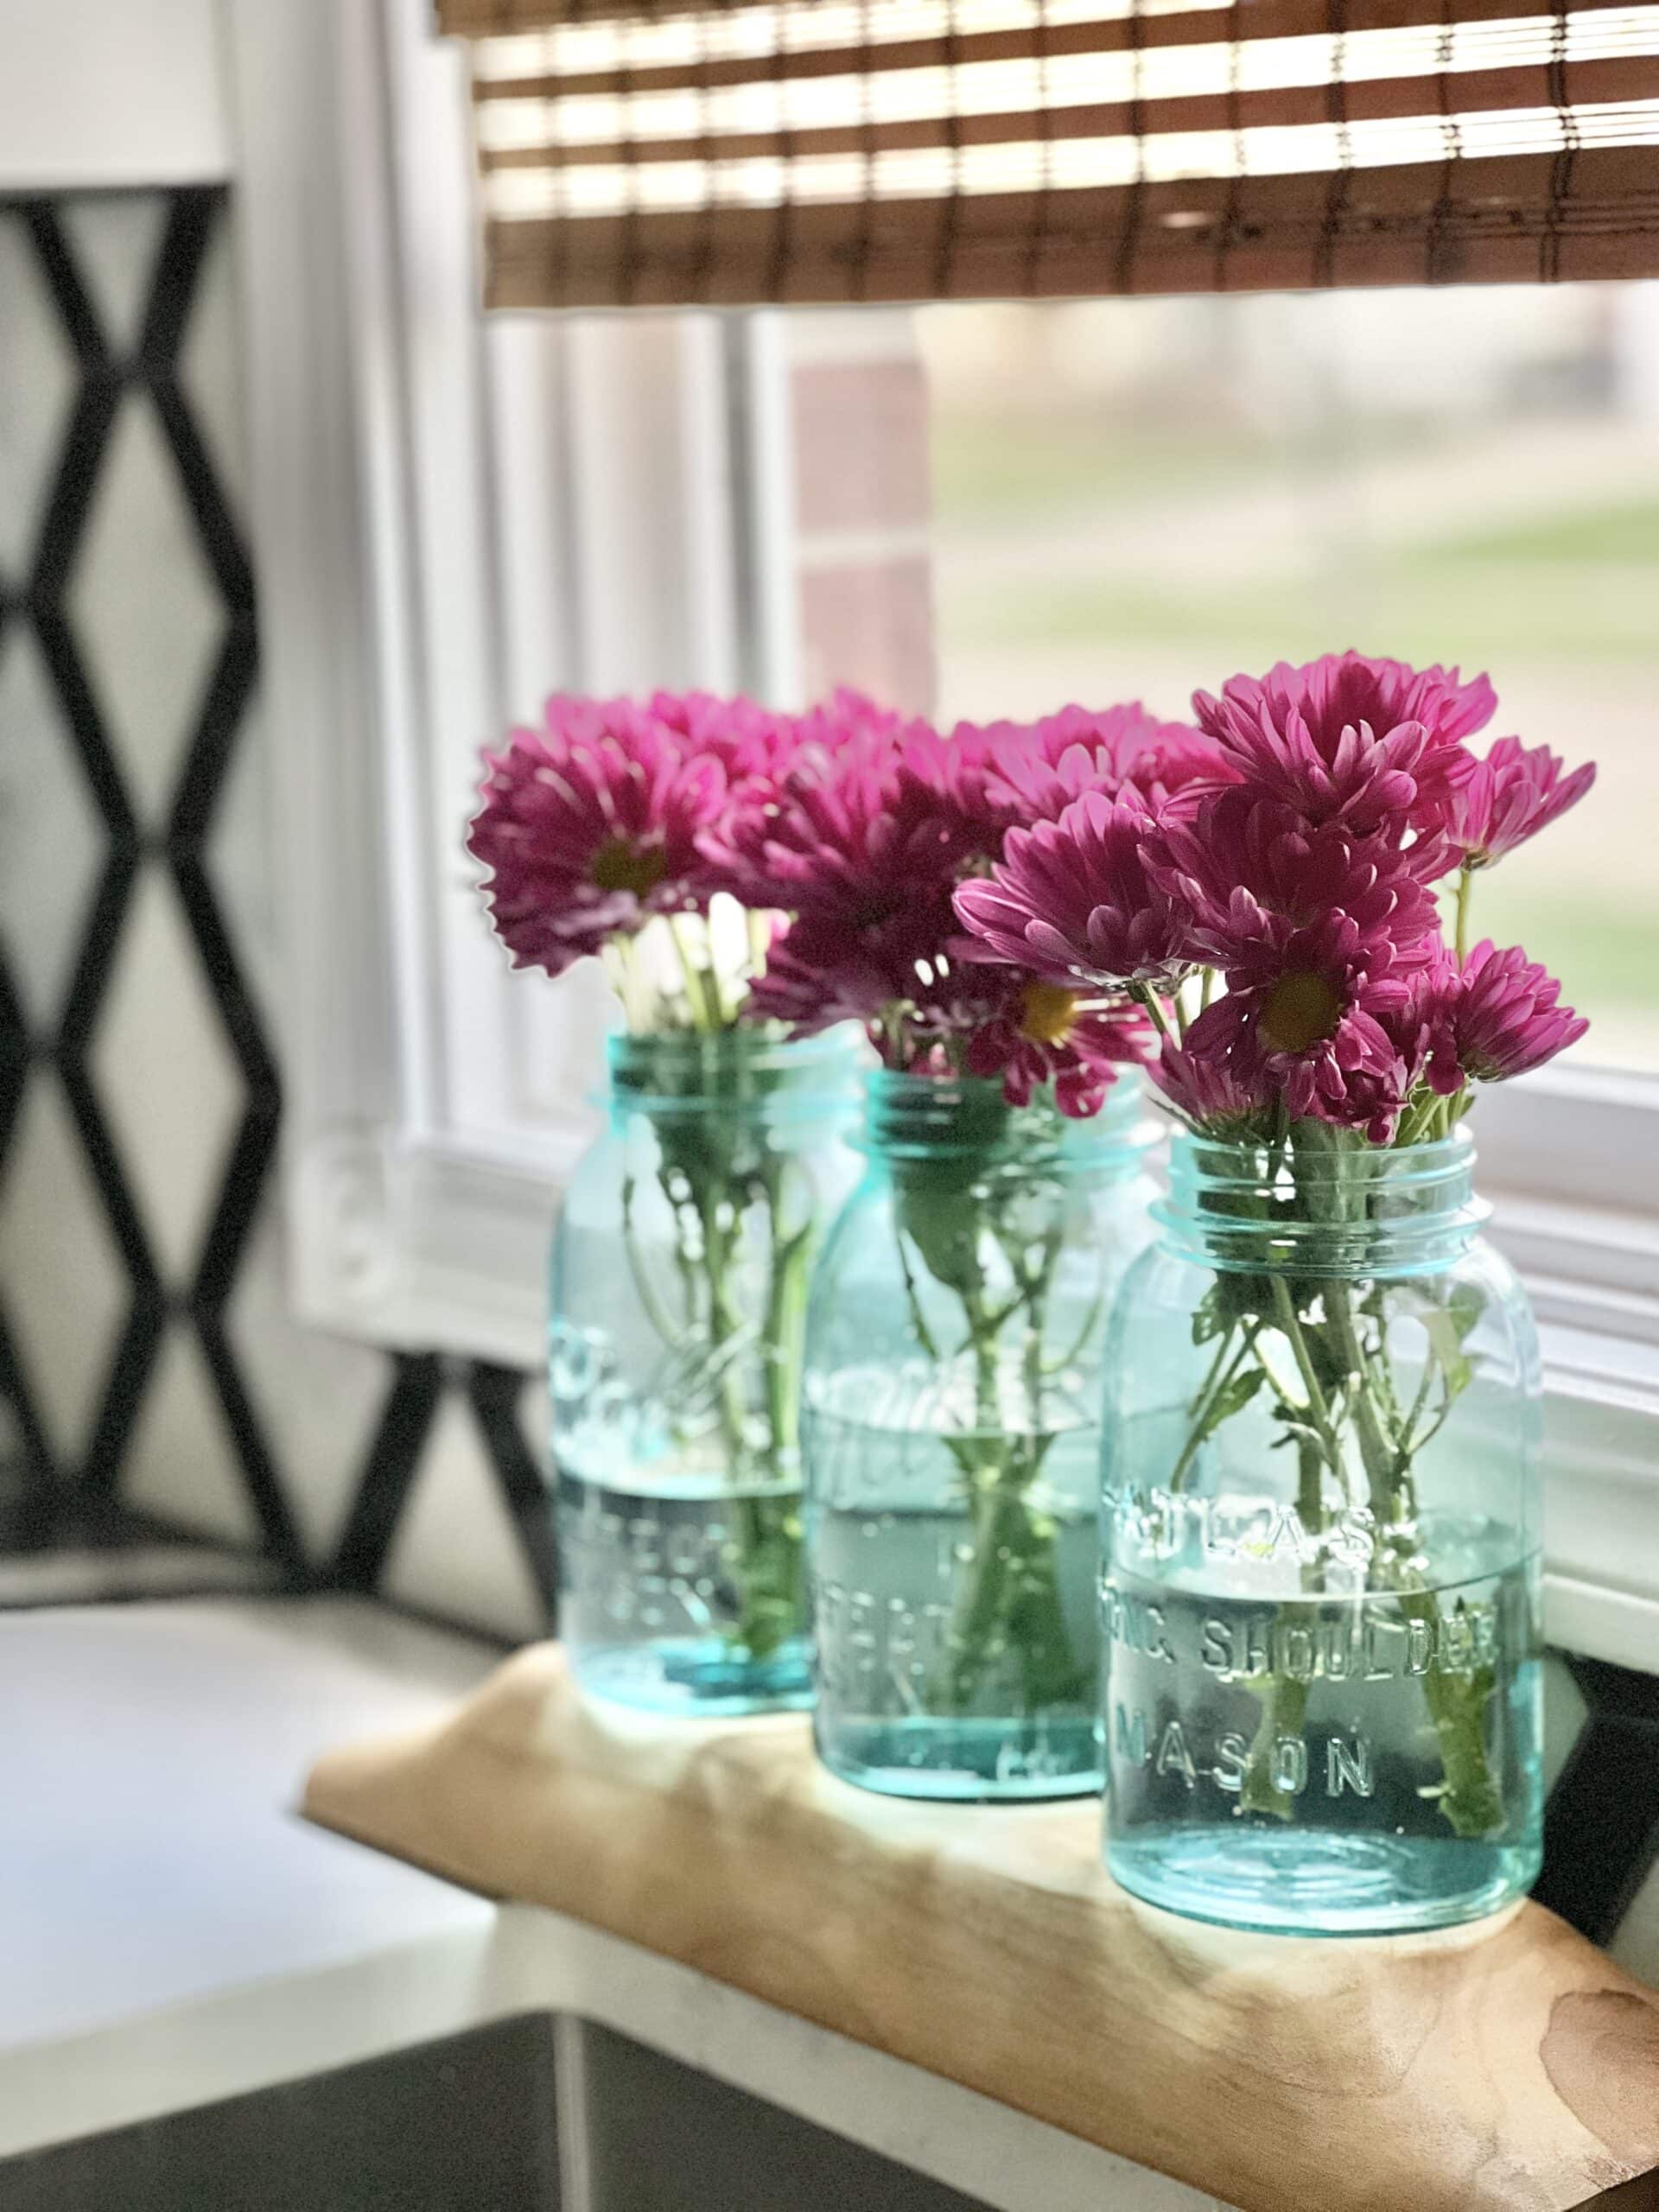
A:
x: 1386, y: 1438
x: 1465, y: 885
x: 766, y: 1524
x: 1144, y: 996
x: 1010, y: 1599
x: 1284, y: 1713
x: 1226, y: 1364
x: 701, y: 985
x: 708, y: 1194
x: 1380, y: 1461
x: 1008, y: 1603
x: 1319, y: 1410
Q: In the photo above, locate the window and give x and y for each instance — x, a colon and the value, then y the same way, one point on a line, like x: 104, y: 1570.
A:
x: 990, y: 508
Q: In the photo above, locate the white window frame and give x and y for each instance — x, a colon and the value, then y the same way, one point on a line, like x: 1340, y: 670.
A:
x: 416, y: 597
x: 408, y: 604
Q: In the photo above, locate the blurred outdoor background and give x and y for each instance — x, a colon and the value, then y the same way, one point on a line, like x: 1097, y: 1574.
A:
x: 1142, y: 496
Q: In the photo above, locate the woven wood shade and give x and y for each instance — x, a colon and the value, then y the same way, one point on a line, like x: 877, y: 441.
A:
x: 661, y: 152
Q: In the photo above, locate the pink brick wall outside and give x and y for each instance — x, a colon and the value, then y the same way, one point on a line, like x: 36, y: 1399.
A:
x: 871, y: 625
x: 861, y: 444
x: 862, y: 502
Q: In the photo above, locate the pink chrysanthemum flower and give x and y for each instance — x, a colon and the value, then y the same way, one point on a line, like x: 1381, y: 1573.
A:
x: 1351, y: 1074
x: 1372, y: 744
x: 1045, y: 1033
x: 1034, y: 770
x: 1515, y: 791
x: 755, y: 749
x: 747, y: 739
x: 1214, y: 1092
x: 952, y: 775
x: 1071, y: 900
x: 1507, y: 1017
x: 591, y: 825
x: 1242, y: 858
x: 1423, y: 1026
x: 857, y: 830
x: 821, y: 972
x: 1308, y: 1008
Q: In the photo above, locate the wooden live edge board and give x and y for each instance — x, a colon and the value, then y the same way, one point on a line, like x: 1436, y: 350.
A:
x: 1507, y: 2068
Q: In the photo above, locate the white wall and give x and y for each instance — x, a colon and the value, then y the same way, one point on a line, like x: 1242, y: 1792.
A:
x: 112, y: 92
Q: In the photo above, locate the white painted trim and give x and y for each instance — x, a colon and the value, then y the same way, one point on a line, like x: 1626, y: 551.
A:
x: 450, y: 518
x: 1602, y: 1624
x: 111, y: 94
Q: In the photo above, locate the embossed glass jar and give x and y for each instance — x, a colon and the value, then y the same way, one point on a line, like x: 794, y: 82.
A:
x: 951, y: 1408
x: 679, y: 1277
x: 1322, y: 1510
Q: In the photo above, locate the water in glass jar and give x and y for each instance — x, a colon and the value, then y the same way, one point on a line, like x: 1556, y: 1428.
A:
x: 657, y: 1579
x: 957, y: 1639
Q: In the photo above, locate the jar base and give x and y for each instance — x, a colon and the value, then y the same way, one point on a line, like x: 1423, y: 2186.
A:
x: 1286, y: 1884
x: 696, y: 1678
x: 965, y: 1761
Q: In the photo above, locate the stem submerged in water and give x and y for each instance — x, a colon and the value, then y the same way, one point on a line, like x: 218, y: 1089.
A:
x: 1349, y: 1398
x: 746, y: 1365
x: 1007, y: 1606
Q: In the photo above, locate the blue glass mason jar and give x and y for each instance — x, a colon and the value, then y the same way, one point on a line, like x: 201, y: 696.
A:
x: 951, y: 1423
x: 1321, y: 1518
x: 679, y: 1280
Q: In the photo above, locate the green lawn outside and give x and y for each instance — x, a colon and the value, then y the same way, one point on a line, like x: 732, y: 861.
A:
x: 1599, y: 957
x: 997, y: 468
x: 1560, y: 613
x: 1626, y: 537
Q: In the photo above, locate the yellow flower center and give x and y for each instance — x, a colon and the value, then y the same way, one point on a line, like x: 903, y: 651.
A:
x: 1046, y: 1013
x: 618, y: 865
x: 1301, y: 1010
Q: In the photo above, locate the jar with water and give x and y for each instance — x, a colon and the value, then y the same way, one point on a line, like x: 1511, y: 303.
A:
x: 951, y: 1421
x: 1320, y: 1595
x: 679, y: 1282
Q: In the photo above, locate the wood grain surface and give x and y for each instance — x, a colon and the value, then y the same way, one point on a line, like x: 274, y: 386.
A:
x: 1506, y: 2067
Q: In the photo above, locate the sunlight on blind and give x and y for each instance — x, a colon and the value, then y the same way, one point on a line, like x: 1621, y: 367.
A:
x: 1018, y: 146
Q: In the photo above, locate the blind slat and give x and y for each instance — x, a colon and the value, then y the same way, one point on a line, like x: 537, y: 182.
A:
x: 1124, y: 32
x: 829, y: 150
x: 1281, y: 107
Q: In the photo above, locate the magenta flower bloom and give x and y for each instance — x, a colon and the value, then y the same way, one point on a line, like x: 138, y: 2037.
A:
x: 1423, y: 1026
x: 591, y: 825
x: 1072, y: 901
x: 1036, y: 769
x: 1216, y: 1091
x: 1242, y: 860
x: 1372, y: 744
x: 1350, y: 1072
x: 1045, y: 1033
x: 822, y: 971
x: 1515, y: 791
x: 860, y: 824
x: 1506, y: 1019
x: 1308, y: 1009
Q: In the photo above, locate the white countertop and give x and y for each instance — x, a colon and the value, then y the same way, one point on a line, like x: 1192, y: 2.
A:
x: 170, y: 1933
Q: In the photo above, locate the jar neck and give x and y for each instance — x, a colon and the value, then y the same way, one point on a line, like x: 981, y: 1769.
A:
x: 734, y: 1074
x: 921, y: 1118
x: 1322, y: 1204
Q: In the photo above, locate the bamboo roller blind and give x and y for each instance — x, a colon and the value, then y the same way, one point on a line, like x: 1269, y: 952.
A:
x: 675, y: 151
